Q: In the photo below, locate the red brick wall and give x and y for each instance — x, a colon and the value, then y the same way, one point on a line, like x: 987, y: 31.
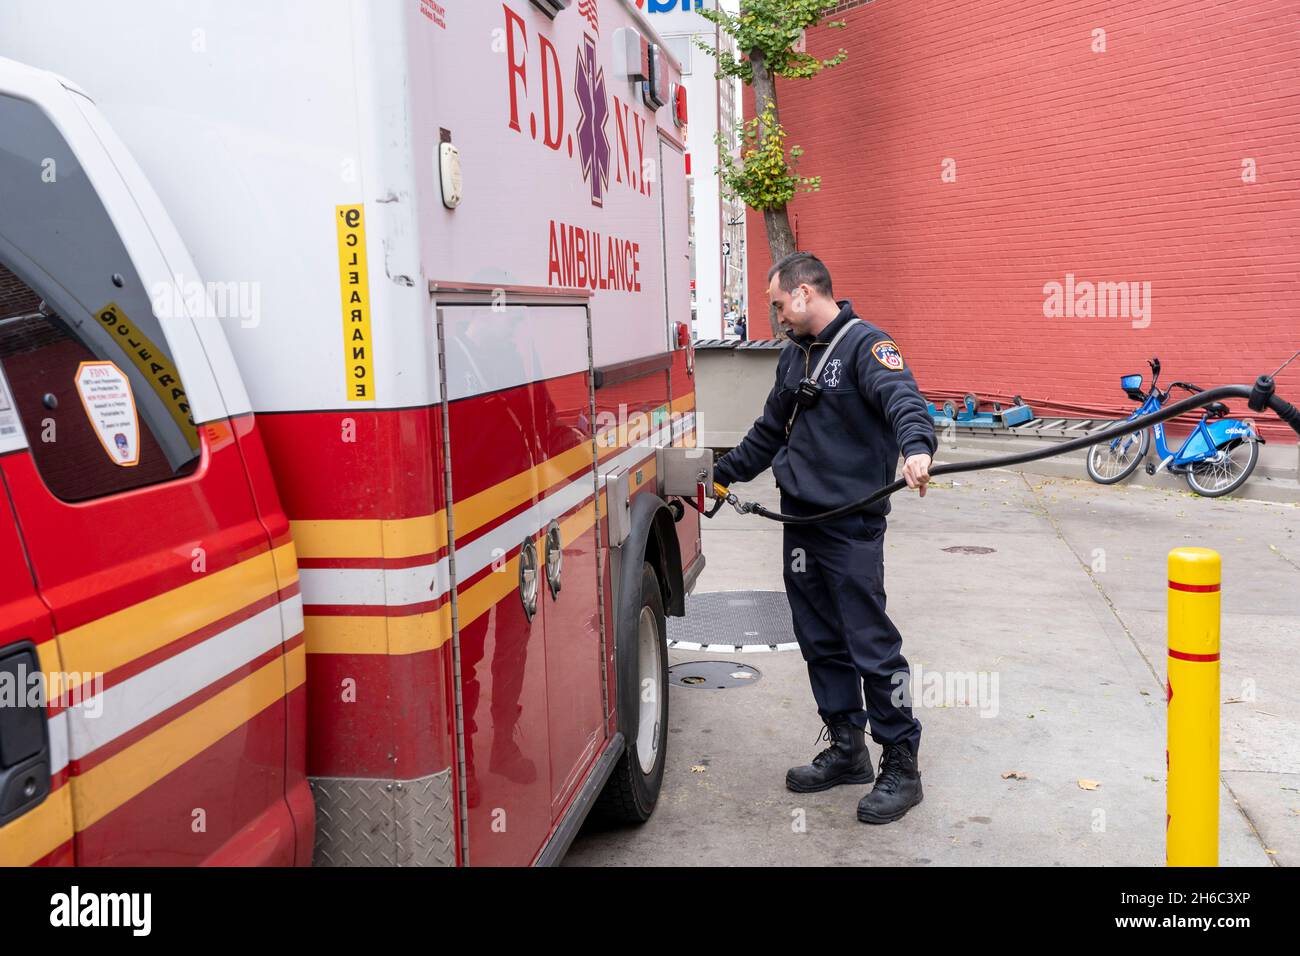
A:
x: 1116, y: 166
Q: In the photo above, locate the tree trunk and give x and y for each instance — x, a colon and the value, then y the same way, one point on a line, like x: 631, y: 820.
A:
x: 780, y: 243
x: 780, y: 237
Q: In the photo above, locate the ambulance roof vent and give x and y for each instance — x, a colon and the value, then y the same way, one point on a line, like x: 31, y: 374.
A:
x: 552, y: 7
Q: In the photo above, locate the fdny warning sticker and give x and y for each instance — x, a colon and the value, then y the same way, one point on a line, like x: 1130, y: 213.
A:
x: 888, y: 355
x: 354, y: 284
x: 106, y: 395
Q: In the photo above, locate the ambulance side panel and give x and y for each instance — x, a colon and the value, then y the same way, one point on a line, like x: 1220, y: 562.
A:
x: 560, y: 223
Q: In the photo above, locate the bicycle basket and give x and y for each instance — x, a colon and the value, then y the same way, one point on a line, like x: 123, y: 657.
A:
x: 1132, y: 385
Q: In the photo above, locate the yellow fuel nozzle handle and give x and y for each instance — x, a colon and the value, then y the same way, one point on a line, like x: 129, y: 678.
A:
x: 720, y: 490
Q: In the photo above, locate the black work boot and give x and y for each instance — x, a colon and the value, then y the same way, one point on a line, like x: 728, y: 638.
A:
x: 846, y: 760
x: 897, y: 789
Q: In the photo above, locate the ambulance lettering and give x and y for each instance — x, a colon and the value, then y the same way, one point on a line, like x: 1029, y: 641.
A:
x: 584, y: 259
x: 434, y: 12
x: 587, y: 143
x: 626, y: 120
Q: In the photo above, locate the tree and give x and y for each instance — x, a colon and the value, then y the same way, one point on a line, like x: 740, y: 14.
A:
x: 764, y: 175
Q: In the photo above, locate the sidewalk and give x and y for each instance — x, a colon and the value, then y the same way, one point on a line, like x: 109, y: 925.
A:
x: 1079, y: 660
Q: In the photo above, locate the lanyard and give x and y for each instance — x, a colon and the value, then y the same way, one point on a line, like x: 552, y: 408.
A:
x: 817, y: 372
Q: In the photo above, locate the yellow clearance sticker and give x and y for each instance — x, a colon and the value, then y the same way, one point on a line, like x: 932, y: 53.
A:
x: 155, y: 366
x: 354, y: 283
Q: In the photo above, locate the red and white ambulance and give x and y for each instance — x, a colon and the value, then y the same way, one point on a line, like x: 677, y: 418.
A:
x: 343, y: 358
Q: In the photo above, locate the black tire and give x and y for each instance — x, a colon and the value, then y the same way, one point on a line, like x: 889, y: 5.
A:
x: 1251, y: 460
x: 631, y: 793
x: 1144, y: 445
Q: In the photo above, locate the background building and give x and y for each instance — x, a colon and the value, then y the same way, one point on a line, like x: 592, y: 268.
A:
x: 717, y: 226
x: 972, y: 164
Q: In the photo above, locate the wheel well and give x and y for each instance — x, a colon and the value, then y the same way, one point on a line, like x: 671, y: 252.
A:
x: 664, y: 554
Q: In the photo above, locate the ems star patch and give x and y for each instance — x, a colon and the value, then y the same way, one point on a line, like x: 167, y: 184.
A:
x: 888, y: 355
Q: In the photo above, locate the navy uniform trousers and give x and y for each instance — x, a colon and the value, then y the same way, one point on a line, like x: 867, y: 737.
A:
x: 835, y: 582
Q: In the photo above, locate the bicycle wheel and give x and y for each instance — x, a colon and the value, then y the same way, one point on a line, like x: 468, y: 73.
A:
x: 1118, y: 458
x: 1226, y: 471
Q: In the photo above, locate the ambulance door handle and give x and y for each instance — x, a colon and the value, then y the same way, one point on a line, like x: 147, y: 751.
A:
x: 24, y: 734
x: 554, y: 559
x: 528, y: 578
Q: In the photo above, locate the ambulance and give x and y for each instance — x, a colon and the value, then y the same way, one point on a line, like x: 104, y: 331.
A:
x: 343, y: 366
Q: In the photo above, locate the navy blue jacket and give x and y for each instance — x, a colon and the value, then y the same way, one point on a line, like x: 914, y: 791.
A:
x: 847, y: 445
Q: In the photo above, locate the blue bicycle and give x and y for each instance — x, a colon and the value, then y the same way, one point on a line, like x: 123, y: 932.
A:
x: 1216, y: 459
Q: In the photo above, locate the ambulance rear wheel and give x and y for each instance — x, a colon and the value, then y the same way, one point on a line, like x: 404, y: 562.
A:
x: 633, y: 788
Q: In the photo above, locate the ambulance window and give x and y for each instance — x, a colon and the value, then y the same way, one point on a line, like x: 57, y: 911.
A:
x: 85, y: 356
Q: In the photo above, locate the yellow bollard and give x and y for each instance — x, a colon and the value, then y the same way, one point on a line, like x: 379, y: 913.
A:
x: 1192, y: 688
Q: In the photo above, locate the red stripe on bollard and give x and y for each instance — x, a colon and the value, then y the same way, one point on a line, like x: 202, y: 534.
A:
x: 1194, y: 588
x: 1184, y: 656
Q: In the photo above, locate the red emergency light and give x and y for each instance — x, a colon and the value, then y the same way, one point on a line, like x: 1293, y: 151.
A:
x: 680, y: 113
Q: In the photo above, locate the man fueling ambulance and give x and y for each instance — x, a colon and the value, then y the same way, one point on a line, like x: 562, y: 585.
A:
x: 843, y: 406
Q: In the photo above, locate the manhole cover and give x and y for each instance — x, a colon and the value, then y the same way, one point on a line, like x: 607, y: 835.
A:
x: 968, y: 549
x: 712, y: 675
x: 729, y: 621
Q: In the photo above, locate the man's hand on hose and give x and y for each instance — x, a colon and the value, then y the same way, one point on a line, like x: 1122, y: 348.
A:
x: 916, y: 471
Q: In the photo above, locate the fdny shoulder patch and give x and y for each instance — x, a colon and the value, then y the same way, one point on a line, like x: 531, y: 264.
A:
x: 888, y: 355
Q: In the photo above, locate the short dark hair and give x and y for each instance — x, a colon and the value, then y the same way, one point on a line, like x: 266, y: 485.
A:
x: 803, y: 268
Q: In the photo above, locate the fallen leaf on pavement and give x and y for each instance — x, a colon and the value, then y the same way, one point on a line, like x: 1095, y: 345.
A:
x: 1014, y: 775
x: 1088, y: 784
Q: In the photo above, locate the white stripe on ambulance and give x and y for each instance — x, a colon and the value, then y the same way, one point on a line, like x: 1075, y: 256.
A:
x: 402, y: 587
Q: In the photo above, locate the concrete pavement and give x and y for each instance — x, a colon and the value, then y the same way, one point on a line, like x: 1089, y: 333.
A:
x: 1060, y: 632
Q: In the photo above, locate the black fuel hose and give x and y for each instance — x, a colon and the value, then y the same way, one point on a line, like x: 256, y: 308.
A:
x: 1259, y: 397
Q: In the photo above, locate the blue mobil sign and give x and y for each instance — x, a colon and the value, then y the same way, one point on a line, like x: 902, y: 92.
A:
x: 671, y: 6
